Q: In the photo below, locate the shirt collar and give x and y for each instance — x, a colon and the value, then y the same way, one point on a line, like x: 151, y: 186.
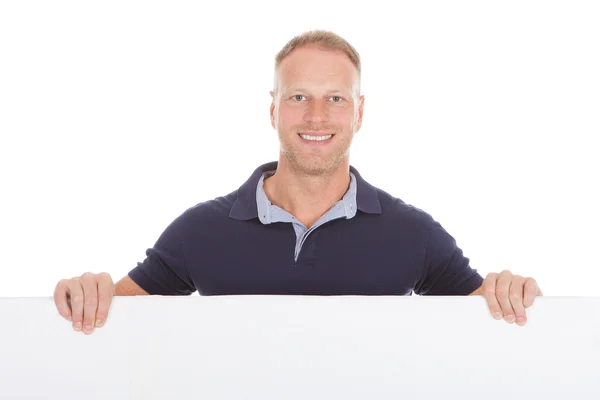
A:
x: 245, y: 206
x: 266, y: 208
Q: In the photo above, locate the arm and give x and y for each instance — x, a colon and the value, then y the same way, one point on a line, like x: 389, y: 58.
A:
x: 446, y: 271
x: 164, y: 271
x: 478, y: 292
x: 127, y: 287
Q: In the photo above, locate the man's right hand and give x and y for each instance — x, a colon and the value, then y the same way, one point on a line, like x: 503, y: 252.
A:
x: 85, y: 300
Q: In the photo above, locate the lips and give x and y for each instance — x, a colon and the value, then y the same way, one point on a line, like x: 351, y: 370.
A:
x: 309, y: 133
x: 316, y: 137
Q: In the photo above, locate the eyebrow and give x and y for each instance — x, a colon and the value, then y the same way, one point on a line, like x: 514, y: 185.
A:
x: 305, y: 90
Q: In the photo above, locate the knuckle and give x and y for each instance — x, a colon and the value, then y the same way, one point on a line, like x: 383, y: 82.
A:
x: 533, y: 283
x: 502, y: 293
x: 516, y: 282
x: 59, y: 290
x: 515, y: 295
x: 103, y: 275
x: 531, y: 291
x: 87, y: 275
x: 76, y: 299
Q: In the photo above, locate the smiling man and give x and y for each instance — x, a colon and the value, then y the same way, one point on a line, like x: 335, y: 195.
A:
x: 308, y: 224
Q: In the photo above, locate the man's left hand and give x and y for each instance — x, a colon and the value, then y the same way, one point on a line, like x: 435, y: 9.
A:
x: 509, y: 295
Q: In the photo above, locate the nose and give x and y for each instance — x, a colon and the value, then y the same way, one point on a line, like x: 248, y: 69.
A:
x: 317, y: 112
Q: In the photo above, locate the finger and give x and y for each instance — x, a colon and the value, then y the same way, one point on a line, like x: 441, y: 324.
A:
x: 105, y: 295
x: 530, y: 291
x: 516, y: 299
x: 61, y: 293
x: 90, y: 301
x: 489, y: 292
x: 76, y: 293
x: 502, y: 294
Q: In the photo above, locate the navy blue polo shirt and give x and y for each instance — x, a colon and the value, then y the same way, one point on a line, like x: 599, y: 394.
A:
x: 384, y: 247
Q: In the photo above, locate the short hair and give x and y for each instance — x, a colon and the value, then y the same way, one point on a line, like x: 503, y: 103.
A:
x: 325, y: 40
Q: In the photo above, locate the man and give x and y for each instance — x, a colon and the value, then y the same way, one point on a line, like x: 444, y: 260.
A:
x: 308, y: 224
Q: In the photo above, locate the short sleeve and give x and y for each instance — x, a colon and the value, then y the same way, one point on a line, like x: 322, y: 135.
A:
x: 446, y: 271
x: 164, y: 272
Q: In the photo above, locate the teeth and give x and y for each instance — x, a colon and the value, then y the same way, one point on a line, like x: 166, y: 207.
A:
x: 315, y: 138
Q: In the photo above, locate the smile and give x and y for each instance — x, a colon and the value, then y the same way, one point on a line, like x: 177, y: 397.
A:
x: 316, y: 138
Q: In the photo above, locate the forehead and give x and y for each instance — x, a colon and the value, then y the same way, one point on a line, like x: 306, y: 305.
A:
x: 308, y: 66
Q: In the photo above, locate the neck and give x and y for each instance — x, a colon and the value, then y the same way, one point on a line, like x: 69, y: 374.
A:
x: 307, y: 197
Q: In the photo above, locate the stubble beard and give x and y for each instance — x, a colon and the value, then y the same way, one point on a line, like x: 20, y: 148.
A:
x: 316, y: 162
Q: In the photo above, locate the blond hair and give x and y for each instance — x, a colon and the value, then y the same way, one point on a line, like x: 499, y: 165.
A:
x: 325, y: 40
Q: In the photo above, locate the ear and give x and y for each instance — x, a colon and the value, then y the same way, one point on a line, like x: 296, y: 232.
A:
x: 272, y: 111
x: 361, y: 105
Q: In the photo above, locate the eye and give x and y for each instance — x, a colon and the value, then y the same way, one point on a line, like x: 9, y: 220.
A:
x: 297, y: 97
x: 336, y: 99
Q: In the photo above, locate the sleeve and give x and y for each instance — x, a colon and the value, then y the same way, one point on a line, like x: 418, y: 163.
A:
x: 164, y: 271
x: 446, y: 271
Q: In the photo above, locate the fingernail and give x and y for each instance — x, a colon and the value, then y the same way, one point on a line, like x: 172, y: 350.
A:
x: 69, y: 318
x: 498, y: 315
x: 87, y: 328
x: 77, y: 326
x: 99, y: 322
x: 521, y: 320
x: 510, y: 318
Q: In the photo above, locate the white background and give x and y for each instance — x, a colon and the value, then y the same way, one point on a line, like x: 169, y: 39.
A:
x: 117, y: 116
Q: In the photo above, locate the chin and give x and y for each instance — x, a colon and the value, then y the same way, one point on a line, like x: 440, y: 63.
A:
x: 316, y: 167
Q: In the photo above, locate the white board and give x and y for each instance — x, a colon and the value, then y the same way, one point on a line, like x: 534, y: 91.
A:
x: 288, y: 347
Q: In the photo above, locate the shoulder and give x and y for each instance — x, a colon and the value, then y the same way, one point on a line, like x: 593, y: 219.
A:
x: 207, y: 213
x: 404, y: 219
x: 388, y: 208
x: 218, y: 205
x: 396, y: 208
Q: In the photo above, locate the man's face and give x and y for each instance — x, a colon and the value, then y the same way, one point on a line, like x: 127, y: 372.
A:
x: 316, y: 97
